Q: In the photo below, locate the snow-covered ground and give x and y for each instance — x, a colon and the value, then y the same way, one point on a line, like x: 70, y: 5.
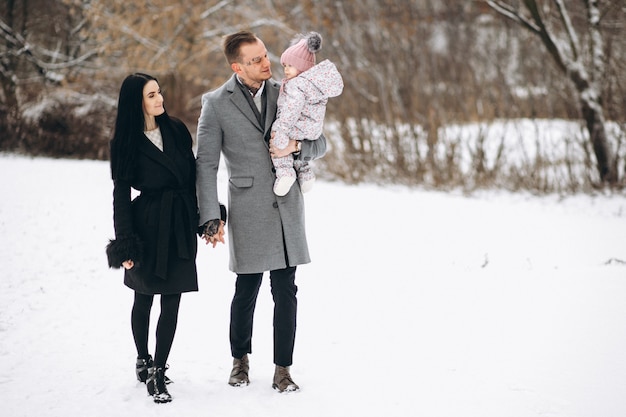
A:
x: 417, y: 303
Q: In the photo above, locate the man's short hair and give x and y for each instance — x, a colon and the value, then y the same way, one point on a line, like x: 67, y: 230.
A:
x: 231, y: 44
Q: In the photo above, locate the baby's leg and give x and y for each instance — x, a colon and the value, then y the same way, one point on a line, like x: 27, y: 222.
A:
x: 306, y: 176
x: 285, y: 174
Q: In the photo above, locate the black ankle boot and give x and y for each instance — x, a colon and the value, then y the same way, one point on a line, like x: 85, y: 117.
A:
x: 141, y: 368
x: 157, y: 386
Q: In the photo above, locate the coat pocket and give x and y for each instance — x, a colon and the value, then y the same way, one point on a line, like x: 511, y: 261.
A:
x: 242, y: 182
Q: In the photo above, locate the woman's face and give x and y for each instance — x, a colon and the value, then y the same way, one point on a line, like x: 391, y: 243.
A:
x: 152, y: 99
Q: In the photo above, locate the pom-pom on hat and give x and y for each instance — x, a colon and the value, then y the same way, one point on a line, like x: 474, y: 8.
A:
x: 301, y: 53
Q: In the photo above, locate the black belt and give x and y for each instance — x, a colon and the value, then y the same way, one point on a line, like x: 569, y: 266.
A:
x: 180, y: 229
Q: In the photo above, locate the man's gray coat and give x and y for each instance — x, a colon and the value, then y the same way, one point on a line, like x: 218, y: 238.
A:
x: 265, y: 231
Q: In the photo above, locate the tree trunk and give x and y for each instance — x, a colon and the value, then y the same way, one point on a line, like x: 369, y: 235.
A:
x: 10, y: 112
x: 594, y: 118
x: 586, y: 76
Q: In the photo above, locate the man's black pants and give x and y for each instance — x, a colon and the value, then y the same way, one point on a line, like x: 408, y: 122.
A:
x: 242, y: 307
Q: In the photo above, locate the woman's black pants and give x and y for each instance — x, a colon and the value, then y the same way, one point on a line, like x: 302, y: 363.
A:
x: 166, y: 326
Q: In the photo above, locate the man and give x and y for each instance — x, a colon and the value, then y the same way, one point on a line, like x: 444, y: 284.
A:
x: 267, y: 232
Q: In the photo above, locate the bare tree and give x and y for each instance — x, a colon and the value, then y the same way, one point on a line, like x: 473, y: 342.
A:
x: 38, y: 41
x: 412, y: 69
x: 179, y: 42
x: 579, y: 53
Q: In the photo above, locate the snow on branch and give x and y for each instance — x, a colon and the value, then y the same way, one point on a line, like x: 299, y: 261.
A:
x: 214, y: 9
x: 21, y: 47
x: 569, y: 29
x: 511, y: 13
x: 596, y: 42
x: 536, y: 25
x: 13, y: 38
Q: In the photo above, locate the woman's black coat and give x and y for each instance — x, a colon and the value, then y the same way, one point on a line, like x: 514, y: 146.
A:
x: 157, y: 230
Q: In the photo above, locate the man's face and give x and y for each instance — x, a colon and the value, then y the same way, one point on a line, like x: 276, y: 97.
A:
x: 255, y: 66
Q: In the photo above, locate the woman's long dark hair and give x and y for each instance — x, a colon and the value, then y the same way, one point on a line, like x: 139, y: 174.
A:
x: 129, y: 125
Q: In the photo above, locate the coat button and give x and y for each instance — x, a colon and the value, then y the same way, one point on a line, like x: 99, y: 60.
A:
x: 275, y: 204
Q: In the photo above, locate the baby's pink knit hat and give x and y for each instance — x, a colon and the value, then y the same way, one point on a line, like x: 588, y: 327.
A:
x: 301, y: 53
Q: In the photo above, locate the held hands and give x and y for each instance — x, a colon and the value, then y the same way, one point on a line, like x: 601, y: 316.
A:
x: 128, y: 264
x: 214, y: 232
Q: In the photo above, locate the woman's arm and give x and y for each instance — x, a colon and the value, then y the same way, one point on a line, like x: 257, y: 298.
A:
x: 126, y: 246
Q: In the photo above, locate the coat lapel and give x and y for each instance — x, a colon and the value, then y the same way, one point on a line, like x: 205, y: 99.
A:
x: 238, y: 99
x: 272, y: 89
x: 155, y: 153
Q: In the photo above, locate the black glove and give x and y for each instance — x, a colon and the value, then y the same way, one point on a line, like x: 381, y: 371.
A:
x: 209, y: 228
x: 212, y: 226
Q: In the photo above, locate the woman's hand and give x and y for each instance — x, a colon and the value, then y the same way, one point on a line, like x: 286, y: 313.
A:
x: 128, y: 264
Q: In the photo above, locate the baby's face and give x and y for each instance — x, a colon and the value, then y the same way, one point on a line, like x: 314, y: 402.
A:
x: 290, y: 71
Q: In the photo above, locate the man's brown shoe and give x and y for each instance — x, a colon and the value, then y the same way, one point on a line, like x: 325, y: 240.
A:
x: 239, y: 374
x: 283, y: 381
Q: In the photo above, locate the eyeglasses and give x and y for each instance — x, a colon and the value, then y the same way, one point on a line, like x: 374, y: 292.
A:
x: 256, y: 60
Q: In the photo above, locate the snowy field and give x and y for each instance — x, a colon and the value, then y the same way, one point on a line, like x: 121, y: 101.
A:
x: 417, y: 303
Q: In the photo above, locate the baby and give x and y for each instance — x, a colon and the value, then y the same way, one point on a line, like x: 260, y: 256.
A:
x: 301, y: 107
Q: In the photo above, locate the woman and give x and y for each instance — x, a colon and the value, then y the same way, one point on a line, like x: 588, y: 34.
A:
x: 155, y: 238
